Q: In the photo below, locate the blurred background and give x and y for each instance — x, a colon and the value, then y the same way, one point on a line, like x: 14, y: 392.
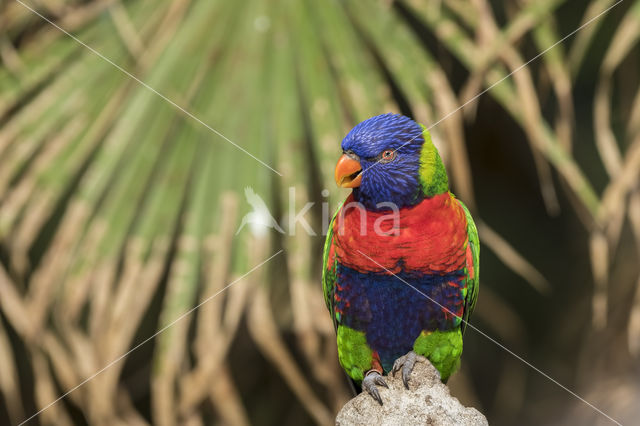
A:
x: 118, y: 212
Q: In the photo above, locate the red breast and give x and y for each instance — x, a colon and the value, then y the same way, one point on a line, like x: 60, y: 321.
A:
x: 430, y: 237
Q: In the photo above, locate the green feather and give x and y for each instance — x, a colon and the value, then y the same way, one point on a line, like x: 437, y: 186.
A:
x: 354, y: 353
x: 443, y: 348
x: 432, y: 174
x: 329, y: 271
x: 473, y: 285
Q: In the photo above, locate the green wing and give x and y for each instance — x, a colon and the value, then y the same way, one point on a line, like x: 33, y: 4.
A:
x: 329, y: 271
x: 473, y: 282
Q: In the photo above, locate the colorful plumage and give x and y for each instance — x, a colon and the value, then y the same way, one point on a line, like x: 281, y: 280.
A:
x: 405, y: 281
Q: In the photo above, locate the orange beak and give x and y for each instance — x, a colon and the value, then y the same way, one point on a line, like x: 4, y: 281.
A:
x: 348, y: 172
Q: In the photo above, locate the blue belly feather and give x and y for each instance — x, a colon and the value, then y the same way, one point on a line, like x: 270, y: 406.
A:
x: 391, y: 313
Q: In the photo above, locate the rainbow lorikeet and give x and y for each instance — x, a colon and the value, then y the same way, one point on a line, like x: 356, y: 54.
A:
x: 404, y: 279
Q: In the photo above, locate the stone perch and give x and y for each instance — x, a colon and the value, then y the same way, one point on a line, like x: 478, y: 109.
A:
x: 427, y: 402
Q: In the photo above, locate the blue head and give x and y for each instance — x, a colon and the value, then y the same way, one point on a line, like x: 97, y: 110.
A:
x: 384, y: 161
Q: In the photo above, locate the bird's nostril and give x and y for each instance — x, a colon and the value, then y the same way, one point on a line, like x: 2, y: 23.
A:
x: 349, y: 153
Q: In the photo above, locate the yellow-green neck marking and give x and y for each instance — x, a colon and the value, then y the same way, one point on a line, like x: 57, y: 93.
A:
x: 432, y: 174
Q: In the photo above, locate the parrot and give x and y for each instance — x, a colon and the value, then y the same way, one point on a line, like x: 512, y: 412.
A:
x: 400, y: 272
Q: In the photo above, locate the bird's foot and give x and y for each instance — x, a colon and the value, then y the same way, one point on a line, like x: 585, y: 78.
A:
x: 406, y: 364
x: 371, y: 379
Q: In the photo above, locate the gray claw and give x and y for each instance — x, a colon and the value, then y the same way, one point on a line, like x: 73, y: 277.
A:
x: 369, y: 383
x: 378, y: 380
x: 405, y: 363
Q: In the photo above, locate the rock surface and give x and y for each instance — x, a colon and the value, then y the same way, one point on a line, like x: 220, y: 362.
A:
x: 427, y: 402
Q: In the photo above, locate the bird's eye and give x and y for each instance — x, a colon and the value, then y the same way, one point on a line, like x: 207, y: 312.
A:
x: 387, y: 155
